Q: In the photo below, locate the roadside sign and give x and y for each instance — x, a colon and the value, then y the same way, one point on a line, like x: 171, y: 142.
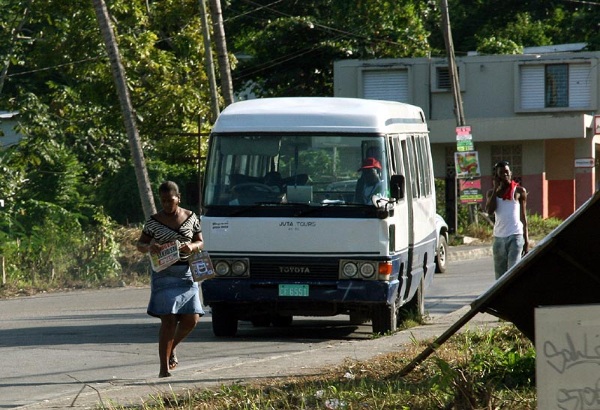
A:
x: 566, y: 364
x: 464, y: 130
x: 464, y: 139
x: 585, y: 162
x: 467, y: 164
x: 470, y: 191
x: 465, y: 145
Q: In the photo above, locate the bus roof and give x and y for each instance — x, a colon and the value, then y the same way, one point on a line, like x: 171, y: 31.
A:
x: 320, y: 114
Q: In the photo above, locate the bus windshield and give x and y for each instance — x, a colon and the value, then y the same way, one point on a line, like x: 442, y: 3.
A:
x: 288, y: 169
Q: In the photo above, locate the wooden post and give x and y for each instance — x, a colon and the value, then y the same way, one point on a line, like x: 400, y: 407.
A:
x: 210, y: 66
x: 3, y: 269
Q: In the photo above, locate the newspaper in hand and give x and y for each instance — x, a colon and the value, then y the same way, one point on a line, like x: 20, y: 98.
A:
x: 201, y: 266
x: 168, y: 255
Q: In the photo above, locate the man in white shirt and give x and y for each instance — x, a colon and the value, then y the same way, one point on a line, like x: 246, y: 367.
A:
x: 507, y: 200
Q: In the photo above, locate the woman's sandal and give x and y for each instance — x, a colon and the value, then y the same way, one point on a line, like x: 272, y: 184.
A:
x: 173, y: 361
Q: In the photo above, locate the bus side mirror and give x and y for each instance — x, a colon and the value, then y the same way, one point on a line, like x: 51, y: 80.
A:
x: 397, y: 186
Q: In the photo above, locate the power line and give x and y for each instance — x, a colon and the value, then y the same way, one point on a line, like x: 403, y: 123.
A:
x: 252, y: 11
x: 322, y: 26
x: 282, y: 59
x: 56, y: 66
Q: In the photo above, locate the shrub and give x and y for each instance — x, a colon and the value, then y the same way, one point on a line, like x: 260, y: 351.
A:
x: 46, y: 246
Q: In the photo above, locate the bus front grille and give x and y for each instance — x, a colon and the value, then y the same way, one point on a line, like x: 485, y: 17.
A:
x: 293, y: 269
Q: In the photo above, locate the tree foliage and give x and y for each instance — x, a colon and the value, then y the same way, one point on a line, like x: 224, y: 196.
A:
x: 57, y: 76
x: 59, y: 80
x: 527, y: 23
x: 288, y: 48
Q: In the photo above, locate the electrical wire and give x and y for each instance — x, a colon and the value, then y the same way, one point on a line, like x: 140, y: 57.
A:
x: 322, y: 27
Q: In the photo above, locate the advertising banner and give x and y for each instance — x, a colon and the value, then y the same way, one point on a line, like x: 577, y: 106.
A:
x: 470, y: 191
x: 467, y: 164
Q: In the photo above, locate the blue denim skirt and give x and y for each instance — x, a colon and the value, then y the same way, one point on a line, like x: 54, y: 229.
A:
x: 173, y: 291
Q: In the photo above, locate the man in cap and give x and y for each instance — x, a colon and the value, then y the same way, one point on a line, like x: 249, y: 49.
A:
x: 369, y: 183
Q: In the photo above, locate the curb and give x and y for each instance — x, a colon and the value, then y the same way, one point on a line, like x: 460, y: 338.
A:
x: 466, y: 252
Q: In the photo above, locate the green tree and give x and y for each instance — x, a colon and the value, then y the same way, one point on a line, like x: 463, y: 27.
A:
x: 61, y: 81
x: 57, y: 75
x: 496, y: 45
x: 525, y: 22
x: 288, y: 49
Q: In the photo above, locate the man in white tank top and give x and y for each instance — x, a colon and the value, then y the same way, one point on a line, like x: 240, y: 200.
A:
x: 508, y: 201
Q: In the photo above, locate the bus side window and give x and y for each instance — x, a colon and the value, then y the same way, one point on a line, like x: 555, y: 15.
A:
x: 397, y: 186
x: 398, y: 179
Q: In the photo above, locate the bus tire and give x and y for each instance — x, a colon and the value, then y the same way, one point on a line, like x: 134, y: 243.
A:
x: 224, y: 322
x: 441, y: 255
x: 385, y: 318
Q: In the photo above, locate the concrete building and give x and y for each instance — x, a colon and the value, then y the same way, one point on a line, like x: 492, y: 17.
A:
x: 536, y: 110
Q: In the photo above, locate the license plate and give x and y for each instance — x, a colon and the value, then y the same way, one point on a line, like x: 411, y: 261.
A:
x: 293, y: 290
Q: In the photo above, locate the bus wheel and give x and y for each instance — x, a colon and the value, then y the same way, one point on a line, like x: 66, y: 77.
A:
x: 441, y: 257
x: 385, y: 318
x: 282, y: 321
x: 224, y: 322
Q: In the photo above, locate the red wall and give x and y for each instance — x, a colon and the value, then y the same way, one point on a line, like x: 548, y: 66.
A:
x: 561, y: 198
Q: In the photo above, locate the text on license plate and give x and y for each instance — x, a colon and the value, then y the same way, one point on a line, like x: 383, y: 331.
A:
x: 293, y: 290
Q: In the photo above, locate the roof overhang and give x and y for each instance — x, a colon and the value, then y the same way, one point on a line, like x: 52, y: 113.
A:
x: 539, y: 127
x: 7, y: 115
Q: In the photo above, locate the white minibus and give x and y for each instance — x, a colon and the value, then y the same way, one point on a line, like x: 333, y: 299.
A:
x: 318, y: 206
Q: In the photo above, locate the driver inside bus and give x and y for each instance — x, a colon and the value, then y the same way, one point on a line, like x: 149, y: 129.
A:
x: 370, y: 182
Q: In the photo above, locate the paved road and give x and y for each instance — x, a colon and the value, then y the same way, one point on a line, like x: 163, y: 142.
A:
x: 88, y: 348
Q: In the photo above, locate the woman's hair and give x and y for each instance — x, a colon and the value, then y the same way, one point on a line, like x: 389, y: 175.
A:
x: 168, y: 187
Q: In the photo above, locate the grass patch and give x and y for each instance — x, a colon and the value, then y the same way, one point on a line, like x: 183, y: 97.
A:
x: 538, y: 228
x: 473, y: 370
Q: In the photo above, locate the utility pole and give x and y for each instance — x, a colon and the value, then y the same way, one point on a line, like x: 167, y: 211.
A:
x: 210, y: 65
x: 221, y: 44
x: 118, y: 72
x: 454, y: 80
x: 451, y: 194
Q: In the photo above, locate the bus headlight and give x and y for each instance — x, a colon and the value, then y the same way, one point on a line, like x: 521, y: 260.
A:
x: 238, y: 268
x: 350, y: 269
x: 367, y: 270
x: 222, y: 268
x: 364, y: 269
x: 233, y: 268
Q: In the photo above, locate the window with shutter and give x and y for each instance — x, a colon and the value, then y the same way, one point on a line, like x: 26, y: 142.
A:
x: 551, y: 86
x: 390, y: 85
